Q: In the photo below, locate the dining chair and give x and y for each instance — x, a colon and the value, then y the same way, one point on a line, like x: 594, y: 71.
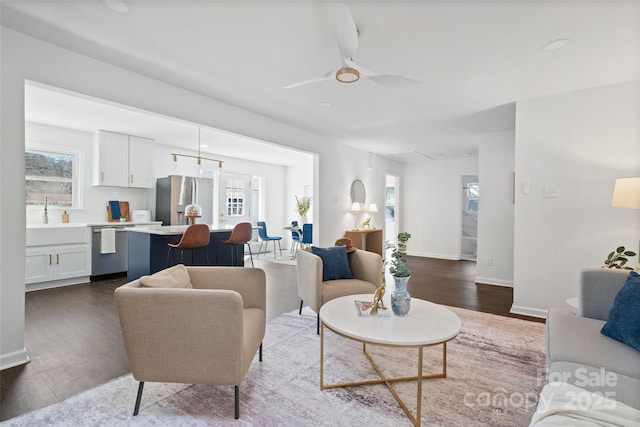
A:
x: 296, y: 236
x: 307, y: 235
x: 240, y: 235
x: 265, y: 238
x: 196, y: 236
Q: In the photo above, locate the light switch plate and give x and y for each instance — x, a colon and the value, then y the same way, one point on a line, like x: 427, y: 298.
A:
x: 551, y: 190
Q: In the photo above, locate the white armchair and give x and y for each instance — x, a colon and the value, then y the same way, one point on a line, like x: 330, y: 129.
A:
x: 204, y: 331
x: 366, y: 268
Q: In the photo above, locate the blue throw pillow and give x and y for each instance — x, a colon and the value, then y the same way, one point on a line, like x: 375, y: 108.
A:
x: 624, y: 318
x: 335, y: 264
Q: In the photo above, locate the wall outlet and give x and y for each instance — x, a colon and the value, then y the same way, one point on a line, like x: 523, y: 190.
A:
x: 490, y: 261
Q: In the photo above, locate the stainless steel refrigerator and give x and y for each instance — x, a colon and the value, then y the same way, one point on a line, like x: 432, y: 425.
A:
x: 175, y: 192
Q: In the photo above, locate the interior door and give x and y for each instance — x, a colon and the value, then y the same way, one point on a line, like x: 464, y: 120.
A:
x: 234, y: 199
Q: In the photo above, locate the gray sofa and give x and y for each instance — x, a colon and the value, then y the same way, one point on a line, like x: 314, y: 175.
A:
x: 579, y: 355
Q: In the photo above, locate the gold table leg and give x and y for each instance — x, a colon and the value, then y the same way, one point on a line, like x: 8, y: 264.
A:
x: 416, y: 420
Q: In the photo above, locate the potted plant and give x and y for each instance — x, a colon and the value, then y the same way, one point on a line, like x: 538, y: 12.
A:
x: 302, y: 205
x: 618, y: 259
x: 400, y: 298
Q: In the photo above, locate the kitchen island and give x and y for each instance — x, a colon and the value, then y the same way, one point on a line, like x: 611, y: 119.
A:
x: 148, y: 248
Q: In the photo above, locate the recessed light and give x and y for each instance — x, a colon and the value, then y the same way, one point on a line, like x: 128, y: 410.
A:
x: 118, y: 6
x: 326, y: 104
x: 203, y: 145
x: 555, y: 44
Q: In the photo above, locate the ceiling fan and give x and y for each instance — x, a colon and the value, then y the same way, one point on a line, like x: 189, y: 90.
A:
x: 350, y: 72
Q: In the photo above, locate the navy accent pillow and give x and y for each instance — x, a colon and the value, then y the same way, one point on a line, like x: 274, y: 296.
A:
x: 335, y: 264
x: 624, y: 317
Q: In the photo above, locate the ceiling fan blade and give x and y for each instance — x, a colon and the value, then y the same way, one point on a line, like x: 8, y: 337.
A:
x: 387, y: 80
x: 394, y: 81
x: 329, y: 75
x: 346, y: 31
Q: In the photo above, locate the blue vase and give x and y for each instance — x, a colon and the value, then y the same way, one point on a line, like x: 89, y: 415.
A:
x: 400, y: 298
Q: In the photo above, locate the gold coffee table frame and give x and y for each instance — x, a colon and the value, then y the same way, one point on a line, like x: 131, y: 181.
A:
x: 426, y: 325
x: 384, y: 380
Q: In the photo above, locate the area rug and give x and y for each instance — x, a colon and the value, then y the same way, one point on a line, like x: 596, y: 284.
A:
x: 494, y: 371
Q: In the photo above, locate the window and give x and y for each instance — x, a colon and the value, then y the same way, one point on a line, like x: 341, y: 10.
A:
x: 473, y: 197
x: 51, y: 175
x: 235, y: 190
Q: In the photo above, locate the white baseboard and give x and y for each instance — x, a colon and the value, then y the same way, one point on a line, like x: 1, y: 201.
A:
x: 497, y: 282
x: 14, y: 359
x: 430, y: 255
x: 528, y: 311
x: 57, y: 283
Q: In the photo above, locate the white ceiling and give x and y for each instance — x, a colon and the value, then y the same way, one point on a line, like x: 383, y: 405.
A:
x: 475, y: 58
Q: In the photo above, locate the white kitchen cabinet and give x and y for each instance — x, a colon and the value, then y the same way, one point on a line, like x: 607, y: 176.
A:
x: 140, y: 153
x: 121, y: 160
x: 57, y: 255
x: 50, y: 263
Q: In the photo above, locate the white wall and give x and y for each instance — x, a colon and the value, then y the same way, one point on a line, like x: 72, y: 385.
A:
x: 582, y: 142
x: 23, y: 57
x: 496, y: 163
x: 431, y: 195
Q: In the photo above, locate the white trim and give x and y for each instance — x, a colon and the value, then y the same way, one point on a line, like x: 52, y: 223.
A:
x: 528, y: 311
x: 16, y: 358
x: 491, y: 281
x: 431, y: 255
x: 57, y: 283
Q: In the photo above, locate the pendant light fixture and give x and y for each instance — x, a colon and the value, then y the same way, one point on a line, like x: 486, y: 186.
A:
x: 198, y: 158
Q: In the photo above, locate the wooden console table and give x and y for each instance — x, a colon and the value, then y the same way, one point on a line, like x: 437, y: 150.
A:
x: 368, y: 240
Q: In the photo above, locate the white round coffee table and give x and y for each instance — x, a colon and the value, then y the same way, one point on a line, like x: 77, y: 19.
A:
x: 427, y: 324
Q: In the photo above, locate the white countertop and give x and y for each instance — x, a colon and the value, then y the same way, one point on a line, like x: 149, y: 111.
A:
x: 167, y: 230
x: 94, y: 224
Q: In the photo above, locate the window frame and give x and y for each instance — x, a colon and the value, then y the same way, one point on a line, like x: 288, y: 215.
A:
x: 77, y: 181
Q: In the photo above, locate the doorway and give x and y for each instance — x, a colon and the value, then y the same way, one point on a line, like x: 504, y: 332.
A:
x: 470, y: 209
x: 391, y: 210
x: 234, y: 199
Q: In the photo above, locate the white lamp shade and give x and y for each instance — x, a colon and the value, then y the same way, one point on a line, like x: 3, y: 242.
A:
x: 626, y: 193
x: 355, y: 207
x: 373, y: 208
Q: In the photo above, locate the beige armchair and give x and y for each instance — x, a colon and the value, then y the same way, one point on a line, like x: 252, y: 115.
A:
x: 366, y: 268
x: 208, y: 334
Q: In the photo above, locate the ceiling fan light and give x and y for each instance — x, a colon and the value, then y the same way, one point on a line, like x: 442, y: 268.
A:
x: 347, y: 75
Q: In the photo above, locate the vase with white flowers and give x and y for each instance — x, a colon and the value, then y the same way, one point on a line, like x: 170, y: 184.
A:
x: 302, y: 205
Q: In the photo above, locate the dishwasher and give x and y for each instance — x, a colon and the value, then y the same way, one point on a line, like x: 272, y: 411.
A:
x: 113, y: 262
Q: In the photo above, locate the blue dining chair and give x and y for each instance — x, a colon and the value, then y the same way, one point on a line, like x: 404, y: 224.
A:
x: 295, y: 239
x: 265, y: 238
x: 307, y: 235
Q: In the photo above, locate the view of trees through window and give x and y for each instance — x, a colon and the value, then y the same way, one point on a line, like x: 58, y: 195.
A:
x: 49, y: 175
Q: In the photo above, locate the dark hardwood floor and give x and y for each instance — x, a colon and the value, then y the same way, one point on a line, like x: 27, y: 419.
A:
x: 74, y: 340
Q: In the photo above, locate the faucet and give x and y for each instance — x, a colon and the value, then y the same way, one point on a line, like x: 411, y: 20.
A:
x: 45, y: 216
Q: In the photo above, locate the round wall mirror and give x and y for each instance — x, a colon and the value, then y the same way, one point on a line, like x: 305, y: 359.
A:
x: 358, y: 194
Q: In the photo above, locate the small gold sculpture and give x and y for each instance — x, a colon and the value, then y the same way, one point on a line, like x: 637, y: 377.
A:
x: 366, y: 224
x: 378, y: 303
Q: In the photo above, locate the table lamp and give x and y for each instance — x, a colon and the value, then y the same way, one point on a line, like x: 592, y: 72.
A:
x: 355, y: 210
x: 373, y: 209
x: 626, y: 193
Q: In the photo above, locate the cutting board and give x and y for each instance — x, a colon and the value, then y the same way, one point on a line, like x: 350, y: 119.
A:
x: 124, y: 212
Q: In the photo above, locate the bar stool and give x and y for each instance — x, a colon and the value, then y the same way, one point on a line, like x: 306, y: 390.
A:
x: 240, y: 235
x: 196, y: 236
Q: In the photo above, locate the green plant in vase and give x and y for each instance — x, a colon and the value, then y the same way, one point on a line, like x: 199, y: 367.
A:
x: 399, y: 263
x: 400, y: 298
